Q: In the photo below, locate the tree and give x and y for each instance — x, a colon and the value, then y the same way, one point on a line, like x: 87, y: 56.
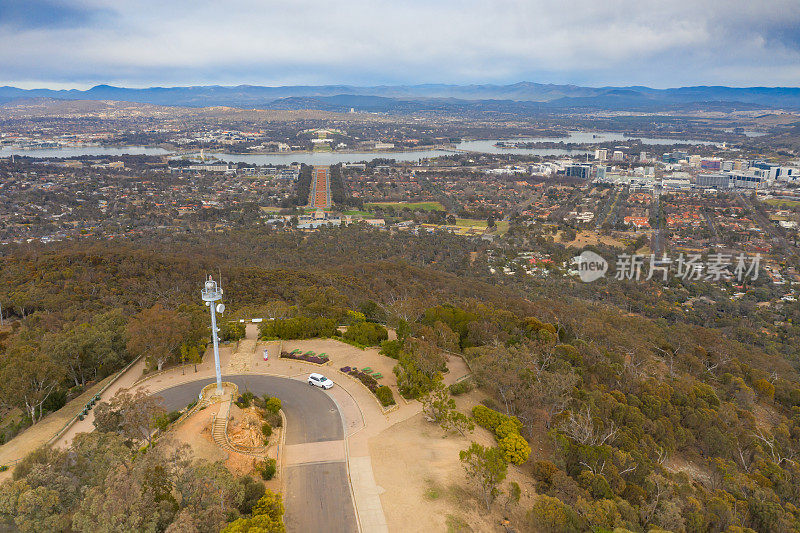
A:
x: 131, y: 415
x: 366, y: 333
x: 486, y: 468
x: 32, y: 509
x: 460, y: 422
x: 267, y: 517
x: 552, y: 515
x: 437, y: 404
x: 550, y: 390
x: 582, y: 427
x: 157, y: 332
x: 211, y: 492
x: 194, y: 357
x: 439, y: 407
x: 277, y: 309
x: 184, y: 523
x: 120, y: 503
x: 90, y: 348
x: 253, y: 491
x: 28, y: 374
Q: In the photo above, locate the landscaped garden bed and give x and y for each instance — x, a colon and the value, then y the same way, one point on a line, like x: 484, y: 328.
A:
x: 382, y: 392
x: 309, y: 357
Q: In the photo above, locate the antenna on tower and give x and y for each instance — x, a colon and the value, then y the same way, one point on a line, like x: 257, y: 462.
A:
x: 211, y: 293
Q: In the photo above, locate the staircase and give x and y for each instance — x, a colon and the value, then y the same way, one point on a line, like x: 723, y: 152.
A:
x: 241, y: 359
x: 219, y: 429
x: 219, y: 432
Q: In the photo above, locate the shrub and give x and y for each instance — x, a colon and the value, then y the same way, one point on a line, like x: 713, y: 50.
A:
x: 272, y: 405
x: 491, y: 419
x: 551, y: 514
x: 267, y: 468
x: 163, y: 421
x: 385, y: 395
x: 461, y: 387
x: 514, y: 493
x: 300, y: 327
x: 245, y: 400
x: 366, y: 379
x: 366, y: 333
x: 267, y: 516
x: 764, y: 389
x: 490, y: 403
x: 303, y: 357
x: 543, y: 473
x: 253, y: 491
x: 273, y: 419
x: 231, y: 331
x: 515, y: 448
x: 505, y: 428
x: 391, y: 348
x: 266, y: 430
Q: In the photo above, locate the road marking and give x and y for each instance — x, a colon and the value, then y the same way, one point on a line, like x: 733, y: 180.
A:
x: 314, y: 452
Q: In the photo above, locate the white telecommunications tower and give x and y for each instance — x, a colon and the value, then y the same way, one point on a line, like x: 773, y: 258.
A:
x: 212, y: 293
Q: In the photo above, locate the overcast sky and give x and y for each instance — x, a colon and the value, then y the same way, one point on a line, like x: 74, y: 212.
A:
x: 664, y: 43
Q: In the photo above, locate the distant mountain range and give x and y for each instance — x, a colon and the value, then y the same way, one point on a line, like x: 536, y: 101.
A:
x: 523, y: 95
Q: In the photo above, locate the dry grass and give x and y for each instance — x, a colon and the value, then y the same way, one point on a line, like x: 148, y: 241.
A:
x: 418, y: 467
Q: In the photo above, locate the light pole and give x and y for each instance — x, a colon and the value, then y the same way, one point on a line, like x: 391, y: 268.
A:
x: 212, y: 293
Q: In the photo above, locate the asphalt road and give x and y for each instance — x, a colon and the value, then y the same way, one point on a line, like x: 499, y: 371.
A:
x: 317, y: 495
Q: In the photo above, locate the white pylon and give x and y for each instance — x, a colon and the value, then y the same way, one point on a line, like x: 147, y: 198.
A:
x: 212, y: 293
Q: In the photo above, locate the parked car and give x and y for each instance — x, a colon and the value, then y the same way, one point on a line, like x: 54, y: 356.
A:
x: 318, y: 380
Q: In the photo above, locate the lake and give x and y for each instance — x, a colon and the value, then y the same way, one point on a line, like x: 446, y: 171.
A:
x: 76, y: 151
x: 331, y: 158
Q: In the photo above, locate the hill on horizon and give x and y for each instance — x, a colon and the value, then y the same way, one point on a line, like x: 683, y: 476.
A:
x: 426, y: 96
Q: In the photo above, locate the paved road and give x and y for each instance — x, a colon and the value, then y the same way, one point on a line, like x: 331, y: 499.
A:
x: 317, y: 494
x: 321, y: 188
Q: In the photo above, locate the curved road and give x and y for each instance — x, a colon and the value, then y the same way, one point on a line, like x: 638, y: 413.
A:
x: 317, y: 493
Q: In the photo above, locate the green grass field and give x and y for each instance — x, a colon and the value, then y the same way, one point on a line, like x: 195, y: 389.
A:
x: 416, y: 206
x: 786, y: 203
x: 471, y: 223
x: 502, y: 226
x: 357, y: 213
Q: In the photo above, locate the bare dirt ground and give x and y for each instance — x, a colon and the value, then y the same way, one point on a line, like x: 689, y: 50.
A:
x: 418, y: 467
x: 244, y: 428
x: 695, y: 471
x: 196, y: 432
x: 587, y: 238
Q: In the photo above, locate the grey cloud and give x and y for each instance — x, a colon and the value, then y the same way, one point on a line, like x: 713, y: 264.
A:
x: 359, y: 41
